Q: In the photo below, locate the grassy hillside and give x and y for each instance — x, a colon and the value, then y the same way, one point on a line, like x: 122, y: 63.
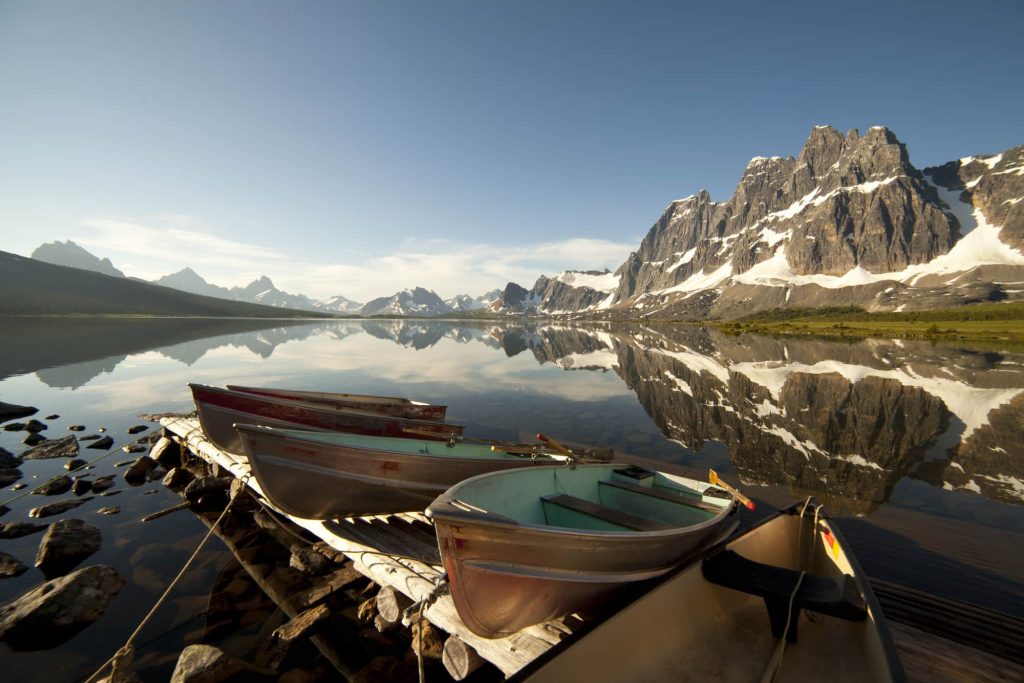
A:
x: 30, y: 287
x: 1002, y: 323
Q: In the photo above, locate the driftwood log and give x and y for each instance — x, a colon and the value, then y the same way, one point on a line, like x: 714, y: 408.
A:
x: 459, y: 659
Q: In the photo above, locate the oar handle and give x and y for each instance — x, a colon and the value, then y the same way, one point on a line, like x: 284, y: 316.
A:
x: 433, y: 435
x: 514, y: 450
x: 554, y: 444
x: 717, y: 481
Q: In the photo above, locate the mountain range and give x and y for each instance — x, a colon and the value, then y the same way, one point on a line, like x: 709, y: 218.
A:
x: 849, y: 221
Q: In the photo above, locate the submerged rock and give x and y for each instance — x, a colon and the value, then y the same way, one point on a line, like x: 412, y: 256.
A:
x: 66, y: 447
x: 81, y: 487
x: 8, y: 460
x: 33, y: 439
x: 9, y: 476
x: 54, y: 611
x: 77, y: 428
x: 14, y: 427
x: 19, y: 529
x: 105, y: 442
x: 74, y: 464
x: 208, y: 664
x: 35, y: 426
x: 10, y: 566
x: 11, y: 411
x: 103, y: 483
x: 52, y: 417
x: 137, y: 429
x: 64, y: 546
x: 57, y: 508
x: 54, y: 487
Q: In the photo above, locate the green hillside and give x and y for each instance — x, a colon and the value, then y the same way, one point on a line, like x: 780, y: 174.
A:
x: 30, y: 287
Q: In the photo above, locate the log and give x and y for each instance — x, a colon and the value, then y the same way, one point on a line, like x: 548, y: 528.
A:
x: 391, y: 604
x: 333, y: 582
x: 459, y: 659
x: 302, y: 623
x: 367, y: 611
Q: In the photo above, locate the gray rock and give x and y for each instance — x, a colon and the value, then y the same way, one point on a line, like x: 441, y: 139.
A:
x: 137, y: 429
x: 10, y: 411
x: 110, y: 510
x: 80, y: 487
x: 177, y: 477
x: 54, y: 487
x: 8, y: 460
x: 35, y: 426
x: 105, y: 442
x: 55, y: 610
x: 136, y: 473
x: 77, y: 428
x: 74, y: 464
x: 14, y: 427
x: 309, y: 561
x: 166, y: 452
x: 9, y: 476
x: 101, y: 430
x: 33, y: 439
x: 57, y: 508
x: 208, y: 664
x: 135, y: 448
x: 18, y: 487
x: 19, y: 529
x: 10, y: 566
x: 66, y: 447
x: 52, y: 417
x: 65, y: 545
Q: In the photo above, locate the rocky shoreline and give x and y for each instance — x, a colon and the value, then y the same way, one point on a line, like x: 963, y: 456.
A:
x: 288, y: 609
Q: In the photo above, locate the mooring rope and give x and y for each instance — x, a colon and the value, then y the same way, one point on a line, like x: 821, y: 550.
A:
x: 127, y: 649
x: 81, y: 467
x: 440, y: 586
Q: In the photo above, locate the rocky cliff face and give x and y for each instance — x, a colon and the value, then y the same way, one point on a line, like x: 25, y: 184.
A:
x: 415, y: 302
x: 848, y: 221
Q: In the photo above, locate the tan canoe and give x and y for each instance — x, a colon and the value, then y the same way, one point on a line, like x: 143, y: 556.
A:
x: 721, y: 619
x: 387, y: 405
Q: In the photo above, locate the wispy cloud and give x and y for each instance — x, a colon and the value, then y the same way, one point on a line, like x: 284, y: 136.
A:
x: 154, y: 247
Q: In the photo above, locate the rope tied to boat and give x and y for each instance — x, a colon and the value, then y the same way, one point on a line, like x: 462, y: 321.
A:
x: 125, y: 653
x: 441, y: 586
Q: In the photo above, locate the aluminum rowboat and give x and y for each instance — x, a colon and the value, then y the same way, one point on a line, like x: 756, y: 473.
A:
x: 220, y: 409
x: 386, y: 405
x: 323, y: 475
x: 722, y: 619
x: 524, y: 546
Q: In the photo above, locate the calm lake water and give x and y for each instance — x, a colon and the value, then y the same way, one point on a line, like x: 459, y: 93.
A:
x: 917, y: 448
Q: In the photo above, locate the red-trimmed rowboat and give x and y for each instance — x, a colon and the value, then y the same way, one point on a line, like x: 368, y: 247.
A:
x: 385, y: 405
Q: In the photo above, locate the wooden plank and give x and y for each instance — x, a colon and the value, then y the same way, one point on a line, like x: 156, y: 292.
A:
x: 662, y: 494
x: 387, y: 560
x: 617, y: 517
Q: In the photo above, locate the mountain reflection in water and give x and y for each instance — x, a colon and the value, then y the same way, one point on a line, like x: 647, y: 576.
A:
x: 845, y: 422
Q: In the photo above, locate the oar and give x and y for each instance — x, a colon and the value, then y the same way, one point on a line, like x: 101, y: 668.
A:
x: 717, y: 481
x: 515, y: 450
x: 554, y: 444
x: 433, y: 435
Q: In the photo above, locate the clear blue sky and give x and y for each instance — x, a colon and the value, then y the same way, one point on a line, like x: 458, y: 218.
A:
x: 358, y: 148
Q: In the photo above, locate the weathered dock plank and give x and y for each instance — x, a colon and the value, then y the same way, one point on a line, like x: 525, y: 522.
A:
x: 392, y: 550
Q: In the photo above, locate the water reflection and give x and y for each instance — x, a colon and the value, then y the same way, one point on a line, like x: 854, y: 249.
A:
x: 846, y: 422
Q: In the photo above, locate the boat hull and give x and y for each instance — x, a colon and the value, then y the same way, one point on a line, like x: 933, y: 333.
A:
x: 689, y: 628
x: 219, y: 410
x: 316, y: 480
x: 385, y: 405
x: 506, y: 576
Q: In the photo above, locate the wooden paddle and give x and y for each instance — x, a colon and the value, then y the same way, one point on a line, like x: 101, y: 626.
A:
x: 717, y: 481
x: 555, y: 445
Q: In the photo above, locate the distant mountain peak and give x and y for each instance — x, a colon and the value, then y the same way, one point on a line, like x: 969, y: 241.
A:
x: 72, y: 255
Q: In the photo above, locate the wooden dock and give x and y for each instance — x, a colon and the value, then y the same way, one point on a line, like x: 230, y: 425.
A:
x: 393, y: 550
x: 937, y: 640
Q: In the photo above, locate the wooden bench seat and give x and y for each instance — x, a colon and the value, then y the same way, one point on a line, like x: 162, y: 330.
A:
x: 607, y: 514
x: 662, y: 494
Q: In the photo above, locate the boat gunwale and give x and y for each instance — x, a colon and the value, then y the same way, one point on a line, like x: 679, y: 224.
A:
x: 378, y: 400
x: 428, y: 425
x: 444, y: 510
x: 283, y: 434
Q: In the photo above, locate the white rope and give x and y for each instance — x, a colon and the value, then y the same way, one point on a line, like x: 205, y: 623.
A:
x: 421, y: 606
x: 126, y: 650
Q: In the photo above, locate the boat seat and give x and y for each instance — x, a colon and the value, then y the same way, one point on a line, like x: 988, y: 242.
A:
x: 836, y: 596
x: 662, y: 494
x: 607, y: 514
